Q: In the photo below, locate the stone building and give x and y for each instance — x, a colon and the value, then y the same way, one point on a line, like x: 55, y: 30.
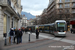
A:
x: 24, y: 21
x: 10, y: 11
x: 61, y: 9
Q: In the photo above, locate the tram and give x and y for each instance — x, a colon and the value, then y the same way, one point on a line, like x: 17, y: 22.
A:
x: 58, y: 28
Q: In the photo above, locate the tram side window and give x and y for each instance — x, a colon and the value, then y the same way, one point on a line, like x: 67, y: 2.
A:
x: 47, y: 28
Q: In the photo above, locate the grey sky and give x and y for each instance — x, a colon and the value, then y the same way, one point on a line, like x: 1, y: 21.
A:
x: 35, y: 7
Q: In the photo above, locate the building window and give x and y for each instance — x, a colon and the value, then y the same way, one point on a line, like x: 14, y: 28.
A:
x: 60, y: 6
x: 67, y: 0
x: 73, y: 0
x: 73, y: 11
x: 60, y: 1
x: 66, y: 10
x: 67, y: 5
x: 73, y: 4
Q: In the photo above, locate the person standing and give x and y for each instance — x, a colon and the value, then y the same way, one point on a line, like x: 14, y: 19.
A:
x: 26, y: 30
x: 20, y: 33
x: 37, y: 33
x: 17, y: 35
x: 11, y: 35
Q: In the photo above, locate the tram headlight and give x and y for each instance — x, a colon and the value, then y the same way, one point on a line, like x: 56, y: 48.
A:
x: 64, y: 31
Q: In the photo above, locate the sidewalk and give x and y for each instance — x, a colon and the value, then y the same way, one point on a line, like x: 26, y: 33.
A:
x: 25, y: 40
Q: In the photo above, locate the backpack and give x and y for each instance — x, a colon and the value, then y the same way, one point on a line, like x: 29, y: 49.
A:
x: 20, y: 33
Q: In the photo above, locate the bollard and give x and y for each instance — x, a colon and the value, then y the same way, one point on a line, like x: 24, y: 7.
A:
x: 5, y: 43
x: 29, y: 36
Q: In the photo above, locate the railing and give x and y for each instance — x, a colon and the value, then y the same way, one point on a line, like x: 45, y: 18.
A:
x: 67, y: 1
x: 73, y: 6
x: 18, y: 14
x: 73, y: 0
x: 60, y: 2
x: 73, y: 11
x: 60, y: 7
x: 5, y: 2
x: 67, y: 7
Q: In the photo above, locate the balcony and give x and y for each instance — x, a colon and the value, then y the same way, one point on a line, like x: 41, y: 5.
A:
x: 5, y: 2
x: 8, y: 6
x: 60, y: 2
x: 73, y: 11
x: 19, y: 16
x: 67, y: 1
x: 73, y: 6
x: 60, y: 7
x: 73, y: 0
x: 67, y: 7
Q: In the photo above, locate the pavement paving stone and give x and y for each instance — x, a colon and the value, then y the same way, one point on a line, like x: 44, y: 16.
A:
x: 36, y: 44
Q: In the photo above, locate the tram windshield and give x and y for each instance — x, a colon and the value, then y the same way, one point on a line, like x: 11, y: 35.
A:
x: 60, y: 27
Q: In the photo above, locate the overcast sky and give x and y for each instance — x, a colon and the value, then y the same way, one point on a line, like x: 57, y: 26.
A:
x: 35, y: 7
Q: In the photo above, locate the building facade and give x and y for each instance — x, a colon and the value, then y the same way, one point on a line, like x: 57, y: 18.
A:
x: 10, y: 11
x: 61, y: 9
x: 24, y: 21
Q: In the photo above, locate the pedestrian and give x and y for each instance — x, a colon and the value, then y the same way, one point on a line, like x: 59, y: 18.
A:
x: 37, y: 33
x: 11, y: 35
x: 20, y: 33
x: 26, y: 30
x: 17, y: 35
x: 29, y: 30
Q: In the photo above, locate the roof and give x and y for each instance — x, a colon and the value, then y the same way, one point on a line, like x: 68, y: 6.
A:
x: 60, y: 21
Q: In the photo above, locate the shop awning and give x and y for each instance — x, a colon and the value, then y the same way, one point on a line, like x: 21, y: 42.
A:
x: 72, y: 22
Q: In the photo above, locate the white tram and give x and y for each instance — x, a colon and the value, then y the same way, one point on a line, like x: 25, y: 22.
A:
x: 60, y: 28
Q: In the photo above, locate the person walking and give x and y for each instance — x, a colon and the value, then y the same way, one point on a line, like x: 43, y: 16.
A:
x: 37, y: 33
x: 11, y: 35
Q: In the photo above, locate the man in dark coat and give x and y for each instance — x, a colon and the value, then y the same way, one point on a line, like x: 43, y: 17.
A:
x: 17, y: 36
x: 37, y: 33
x: 11, y: 35
x: 20, y: 33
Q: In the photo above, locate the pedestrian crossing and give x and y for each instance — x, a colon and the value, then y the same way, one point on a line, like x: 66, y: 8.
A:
x: 58, y: 39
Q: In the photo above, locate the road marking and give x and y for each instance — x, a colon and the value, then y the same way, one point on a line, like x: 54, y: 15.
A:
x: 58, y: 39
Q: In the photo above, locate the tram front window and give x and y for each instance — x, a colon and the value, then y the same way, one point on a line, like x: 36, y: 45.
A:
x: 61, y: 27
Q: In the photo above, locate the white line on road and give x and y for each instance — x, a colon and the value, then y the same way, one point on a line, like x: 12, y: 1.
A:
x: 58, y: 39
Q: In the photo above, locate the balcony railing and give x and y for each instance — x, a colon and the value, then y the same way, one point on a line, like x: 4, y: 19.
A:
x: 73, y: 0
x: 73, y: 12
x: 67, y: 1
x: 20, y: 16
x: 67, y: 7
x: 73, y: 6
x: 60, y: 7
x: 60, y: 2
x: 5, y: 2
